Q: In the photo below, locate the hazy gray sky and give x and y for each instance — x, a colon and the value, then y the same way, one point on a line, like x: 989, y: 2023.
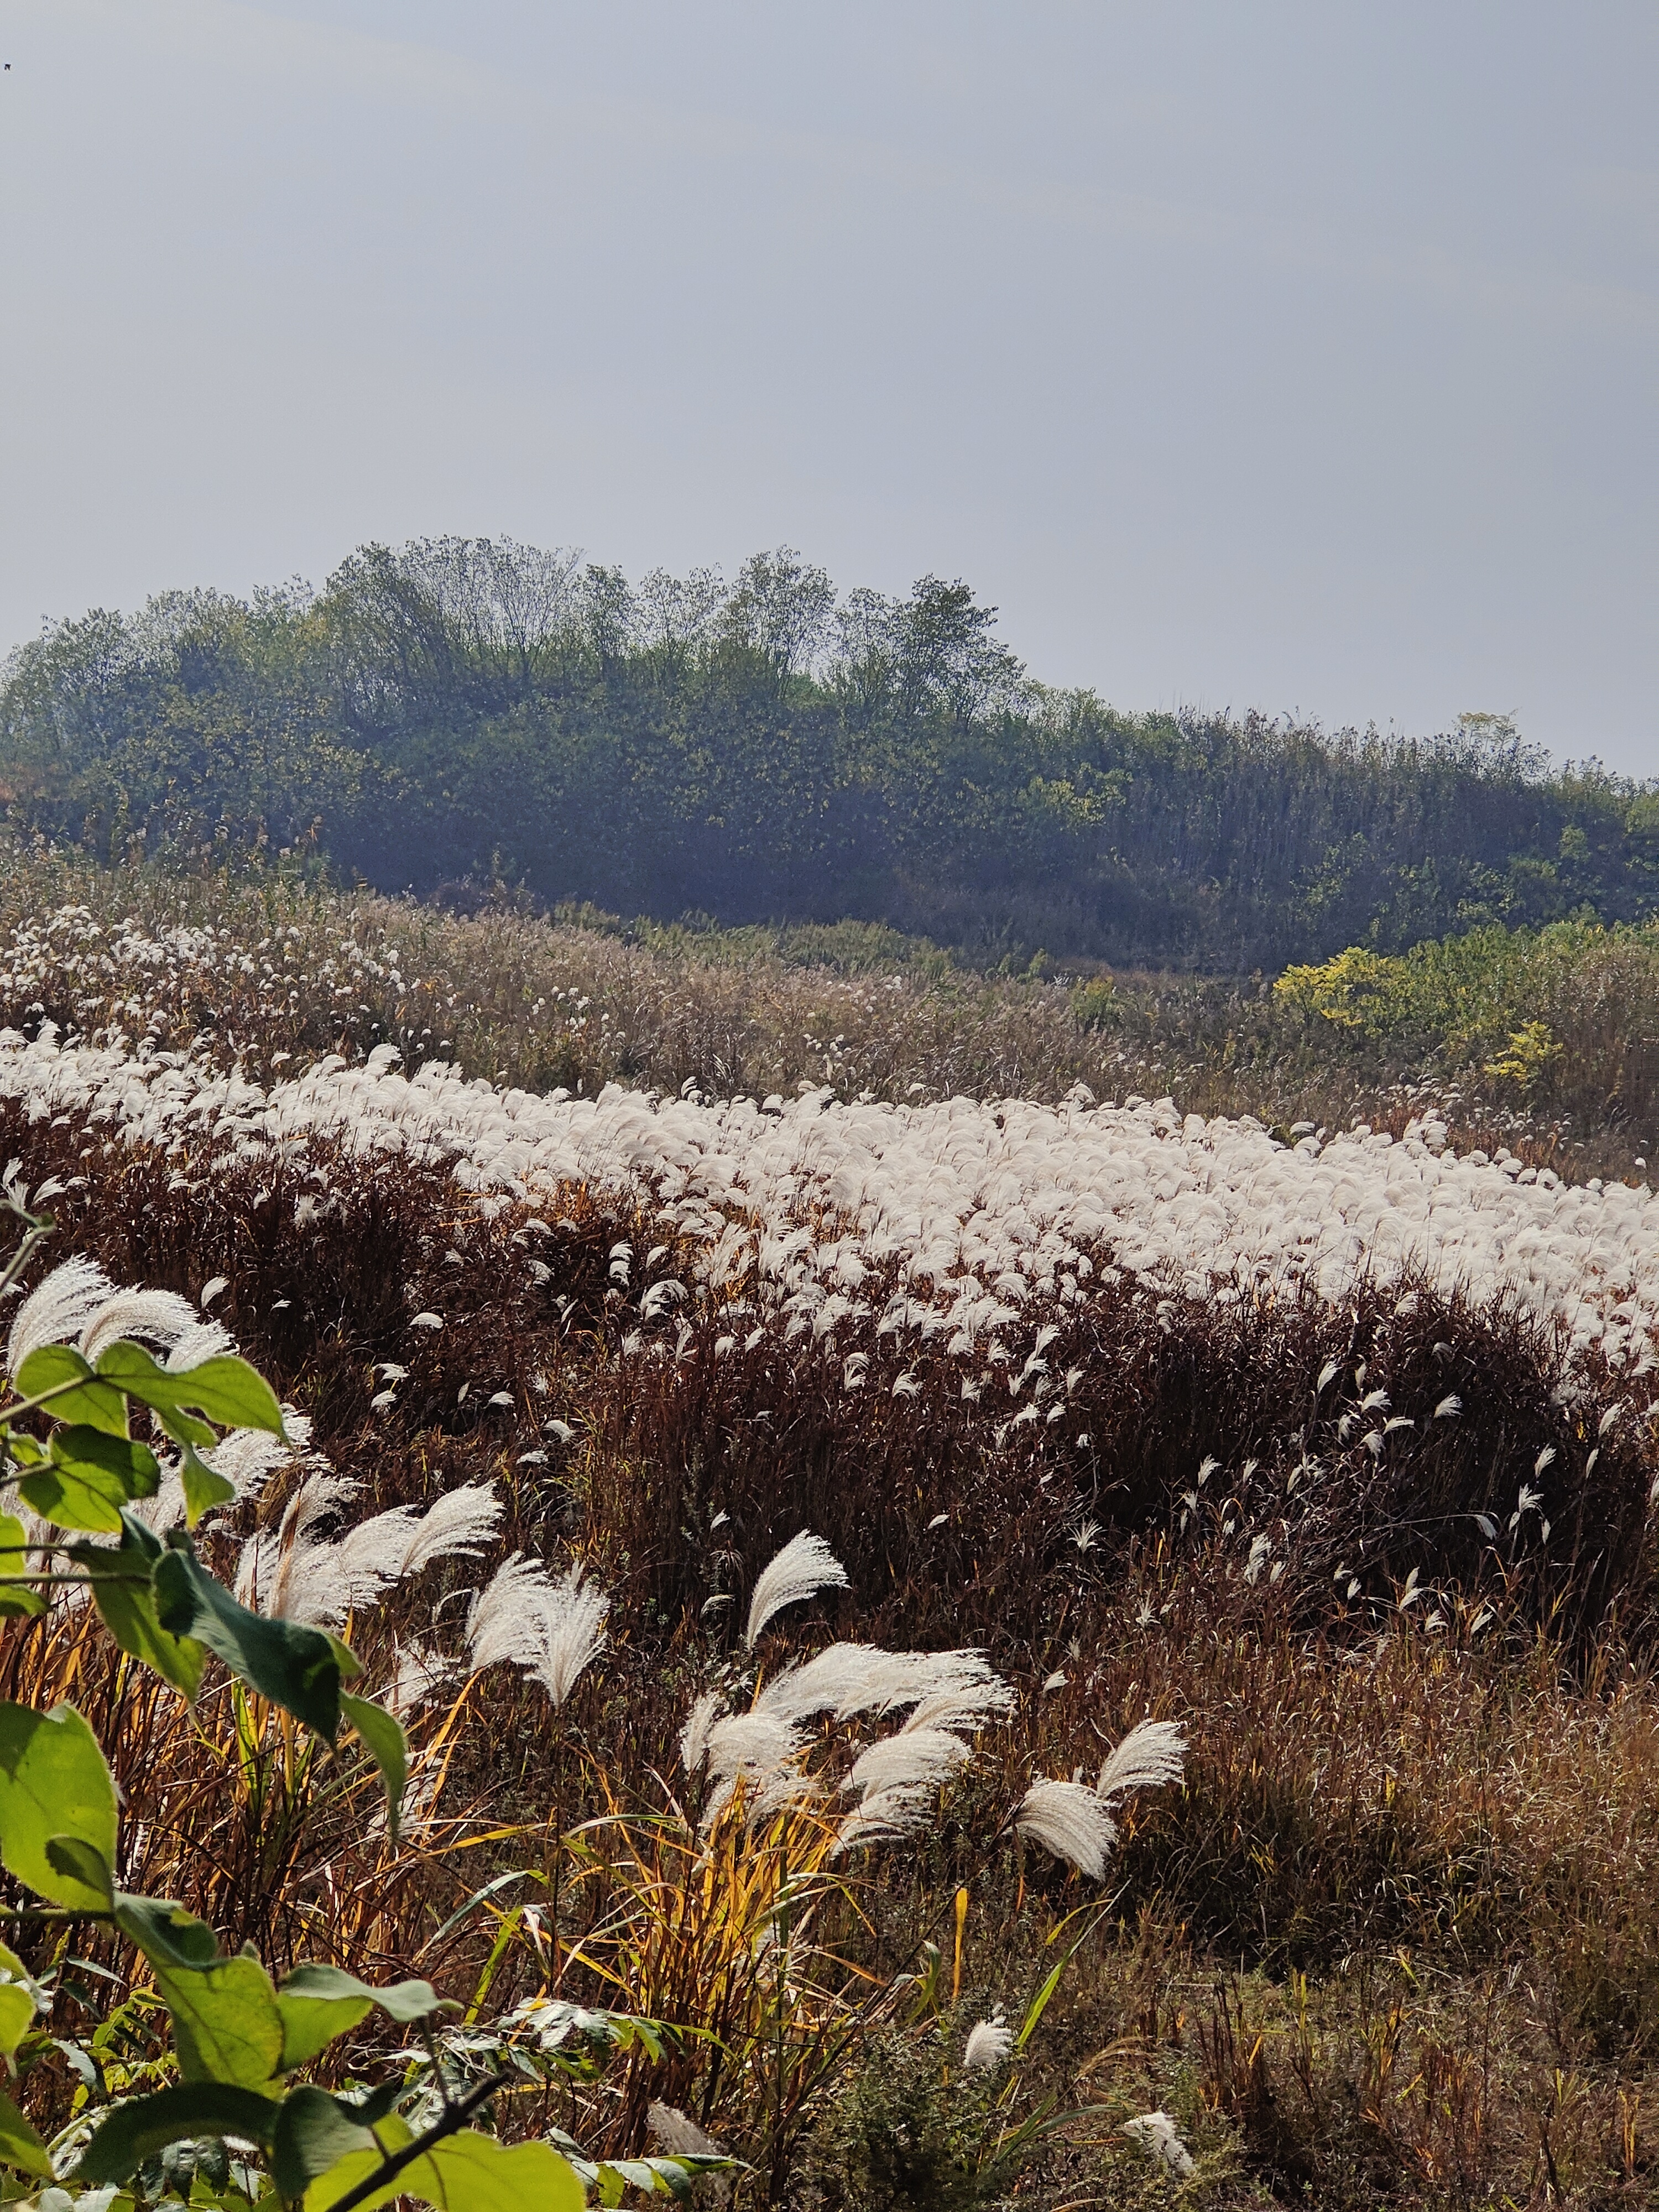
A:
x: 1245, y: 355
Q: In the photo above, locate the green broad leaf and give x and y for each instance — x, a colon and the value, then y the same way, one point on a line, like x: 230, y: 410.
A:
x: 134, y: 1465
x: 224, y: 1389
x: 465, y: 2172
x: 55, y: 1785
x: 185, y: 1428
x: 134, y: 2132
x: 26, y: 1450
x: 314, y: 2131
x: 72, y: 1499
x: 657, y: 2177
x: 90, y: 1477
x: 17, y: 2012
x: 99, y: 1405
x: 388, y: 1746
x: 351, y: 1665
x: 205, y: 1487
x: 12, y: 1965
x: 168, y: 1937
x: 312, y: 2018
x: 78, y: 1861
x: 124, y: 1592
x: 320, y: 2002
x: 20, y: 2145
x: 296, y: 1667
x: 18, y: 1598
x: 225, y: 2022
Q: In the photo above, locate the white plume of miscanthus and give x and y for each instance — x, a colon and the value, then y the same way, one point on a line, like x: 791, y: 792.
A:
x: 847, y: 1678
x: 553, y: 1630
x: 759, y: 1750
x: 202, y: 1339
x: 988, y: 2044
x: 296, y: 1576
x: 1155, y: 2132
x: 1071, y: 1820
x: 804, y: 1567
x: 1075, y: 1822
x: 843, y: 1679
x: 885, y: 1816
x: 56, y: 1309
x: 962, y: 1705
x: 922, y: 1759
x: 1152, y: 1753
x: 154, y: 1316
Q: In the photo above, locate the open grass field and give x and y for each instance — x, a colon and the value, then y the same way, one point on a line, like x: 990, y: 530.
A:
x: 1124, y: 1367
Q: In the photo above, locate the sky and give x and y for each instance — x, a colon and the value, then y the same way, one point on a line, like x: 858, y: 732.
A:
x: 1302, y: 358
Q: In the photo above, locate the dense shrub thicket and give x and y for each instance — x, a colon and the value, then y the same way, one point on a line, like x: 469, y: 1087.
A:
x: 763, y: 750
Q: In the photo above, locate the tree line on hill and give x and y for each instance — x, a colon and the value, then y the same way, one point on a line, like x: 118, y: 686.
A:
x: 764, y: 749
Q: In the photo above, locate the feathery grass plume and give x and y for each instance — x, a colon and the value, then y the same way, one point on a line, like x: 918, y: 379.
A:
x: 922, y: 1759
x: 845, y: 1679
x: 885, y: 1816
x: 503, y: 1620
x: 1069, y: 1820
x: 677, y: 2133
x: 455, y: 1525
x: 202, y: 1339
x: 694, y: 1736
x: 756, y: 1749
x: 1155, y: 2133
x: 300, y: 1577
x: 961, y: 1706
x: 156, y: 1316
x: 1152, y: 1753
x: 56, y: 1309
x: 804, y: 1567
x: 988, y: 2044
x: 573, y: 1617
x: 417, y: 1676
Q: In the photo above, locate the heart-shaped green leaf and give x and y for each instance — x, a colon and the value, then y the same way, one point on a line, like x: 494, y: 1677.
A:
x: 130, y: 2135
x: 313, y: 2130
x: 54, y: 1784
x: 293, y: 1666
x: 319, y: 2003
x: 465, y: 2173
x: 90, y: 1477
x: 16, y: 1597
x: 97, y: 1404
x: 124, y: 1595
x: 20, y: 2145
x: 224, y: 1389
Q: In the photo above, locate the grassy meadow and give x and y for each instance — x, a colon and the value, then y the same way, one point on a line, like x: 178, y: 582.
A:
x: 1381, y: 1549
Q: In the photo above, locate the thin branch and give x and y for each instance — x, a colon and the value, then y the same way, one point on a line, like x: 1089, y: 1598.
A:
x: 393, y: 2162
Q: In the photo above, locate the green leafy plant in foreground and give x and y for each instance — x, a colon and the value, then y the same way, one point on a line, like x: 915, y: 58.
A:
x: 239, y: 2125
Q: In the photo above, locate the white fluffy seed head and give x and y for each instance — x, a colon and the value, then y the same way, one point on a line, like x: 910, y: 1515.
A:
x: 1155, y: 2132
x: 988, y: 2044
x: 1071, y: 1820
x: 804, y: 1567
x: 1152, y: 1753
x: 56, y: 1309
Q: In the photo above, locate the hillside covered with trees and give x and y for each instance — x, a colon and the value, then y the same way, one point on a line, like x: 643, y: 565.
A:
x: 471, y: 708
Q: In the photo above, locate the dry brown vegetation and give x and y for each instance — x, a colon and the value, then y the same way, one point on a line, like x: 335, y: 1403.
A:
x: 1395, y: 1941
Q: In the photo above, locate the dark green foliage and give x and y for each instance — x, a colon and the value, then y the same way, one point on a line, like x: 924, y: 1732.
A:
x: 478, y: 711
x: 902, y: 2139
